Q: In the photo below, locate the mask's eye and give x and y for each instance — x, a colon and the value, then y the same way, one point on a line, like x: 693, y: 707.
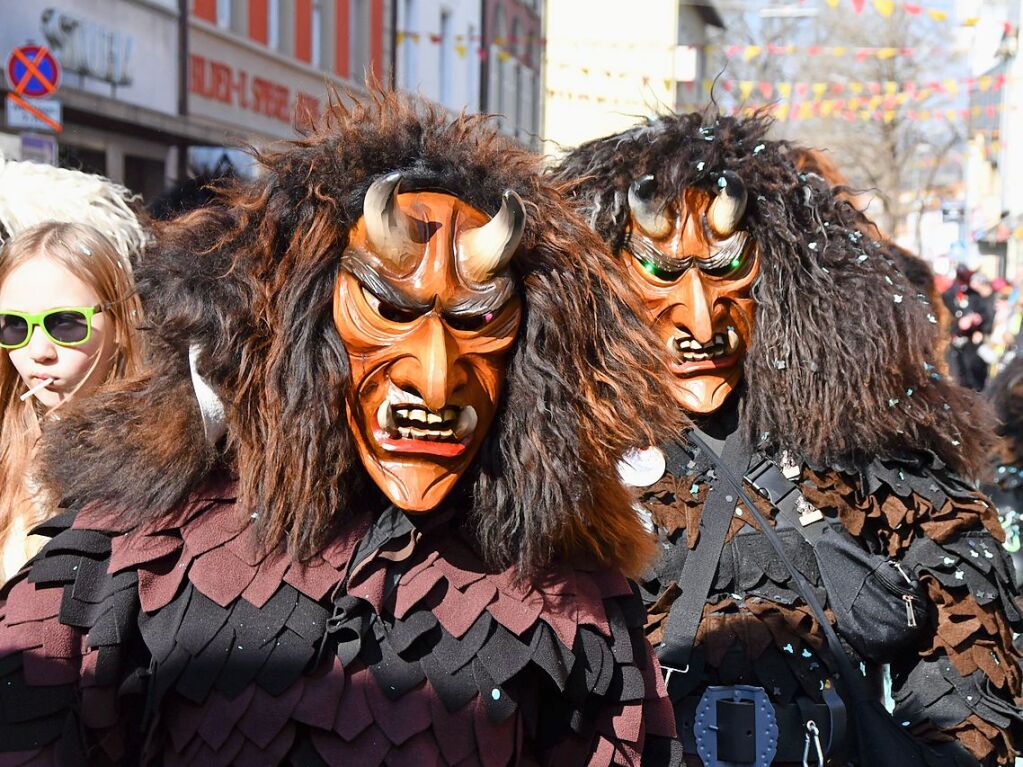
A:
x: 665, y: 275
x: 730, y: 267
x: 470, y: 322
x: 388, y: 311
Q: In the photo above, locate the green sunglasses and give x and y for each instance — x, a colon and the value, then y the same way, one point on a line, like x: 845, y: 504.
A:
x: 66, y: 326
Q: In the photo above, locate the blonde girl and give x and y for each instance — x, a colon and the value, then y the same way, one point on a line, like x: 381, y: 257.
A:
x: 68, y: 319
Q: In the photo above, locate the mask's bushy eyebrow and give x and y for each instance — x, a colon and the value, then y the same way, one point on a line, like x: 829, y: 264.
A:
x: 480, y: 303
x: 719, y: 256
x: 381, y: 288
x: 644, y: 251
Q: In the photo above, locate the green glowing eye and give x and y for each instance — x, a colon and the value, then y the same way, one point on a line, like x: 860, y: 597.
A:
x: 735, y: 263
x: 649, y: 267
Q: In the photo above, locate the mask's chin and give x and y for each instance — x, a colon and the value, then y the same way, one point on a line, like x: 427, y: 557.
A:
x: 414, y: 454
x: 706, y: 394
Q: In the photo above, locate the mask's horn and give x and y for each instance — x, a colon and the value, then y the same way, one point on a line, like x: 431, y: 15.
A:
x: 729, y: 206
x: 211, y: 407
x: 389, y: 231
x: 648, y: 215
x: 484, y: 252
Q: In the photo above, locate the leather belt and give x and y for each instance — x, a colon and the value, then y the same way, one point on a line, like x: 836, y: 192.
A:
x: 790, y: 718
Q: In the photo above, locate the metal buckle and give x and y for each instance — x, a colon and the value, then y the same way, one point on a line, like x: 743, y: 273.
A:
x: 814, y: 734
x: 706, y: 732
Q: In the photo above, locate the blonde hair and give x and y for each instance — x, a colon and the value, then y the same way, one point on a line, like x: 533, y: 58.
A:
x: 89, y: 255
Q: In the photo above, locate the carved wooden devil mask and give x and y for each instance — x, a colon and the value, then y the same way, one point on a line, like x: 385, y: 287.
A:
x: 428, y: 311
x: 693, y: 268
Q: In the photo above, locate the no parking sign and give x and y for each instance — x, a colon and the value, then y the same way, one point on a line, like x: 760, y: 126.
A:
x: 33, y: 73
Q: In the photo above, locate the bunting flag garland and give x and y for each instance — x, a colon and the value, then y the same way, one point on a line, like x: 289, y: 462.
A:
x: 905, y: 90
x: 851, y: 110
x: 886, y: 8
x: 750, y: 52
x: 765, y: 90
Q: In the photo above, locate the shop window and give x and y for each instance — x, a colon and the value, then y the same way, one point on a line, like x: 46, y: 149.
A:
x: 409, y: 48
x: 360, y: 39
x: 80, y: 158
x: 145, y: 176
x: 316, y: 35
x: 447, y: 50
x: 273, y: 24
x: 224, y: 14
x: 472, y: 69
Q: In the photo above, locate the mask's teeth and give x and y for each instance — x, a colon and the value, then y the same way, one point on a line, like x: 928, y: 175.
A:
x: 433, y: 418
x: 385, y: 417
x: 466, y: 422
x: 416, y: 414
x: 405, y: 432
x: 733, y: 339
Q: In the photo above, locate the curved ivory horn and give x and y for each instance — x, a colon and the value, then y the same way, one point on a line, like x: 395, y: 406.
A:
x: 729, y: 206
x: 648, y: 215
x: 388, y: 230
x: 486, y: 251
x: 211, y: 407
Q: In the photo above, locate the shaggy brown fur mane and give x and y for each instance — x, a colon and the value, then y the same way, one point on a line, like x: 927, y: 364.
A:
x: 252, y: 281
x: 843, y: 364
x: 1005, y: 393
x: 917, y: 271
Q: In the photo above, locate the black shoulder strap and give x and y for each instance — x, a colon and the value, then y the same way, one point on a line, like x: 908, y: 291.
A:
x: 835, y: 657
x: 702, y: 562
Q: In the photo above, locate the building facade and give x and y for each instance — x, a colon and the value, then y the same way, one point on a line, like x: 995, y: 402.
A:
x: 437, y: 46
x: 147, y: 84
x: 258, y: 68
x: 607, y: 67
x: 511, y: 85
x: 120, y: 87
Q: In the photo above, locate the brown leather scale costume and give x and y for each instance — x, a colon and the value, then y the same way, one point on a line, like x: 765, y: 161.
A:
x: 263, y: 598
x: 856, y: 451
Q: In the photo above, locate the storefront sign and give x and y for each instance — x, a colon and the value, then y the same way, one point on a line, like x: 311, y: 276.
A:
x: 88, y: 48
x: 234, y: 86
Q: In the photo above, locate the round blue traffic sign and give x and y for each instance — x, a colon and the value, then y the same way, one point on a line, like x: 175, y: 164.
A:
x: 32, y: 71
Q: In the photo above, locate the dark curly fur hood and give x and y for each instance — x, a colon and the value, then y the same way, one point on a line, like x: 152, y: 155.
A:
x: 251, y: 280
x: 842, y: 365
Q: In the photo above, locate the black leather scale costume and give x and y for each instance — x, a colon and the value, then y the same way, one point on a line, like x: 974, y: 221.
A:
x: 177, y: 643
x: 907, y: 562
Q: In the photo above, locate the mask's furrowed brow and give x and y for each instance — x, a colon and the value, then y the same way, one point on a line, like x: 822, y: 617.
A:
x: 469, y: 304
x: 380, y: 287
x: 645, y: 251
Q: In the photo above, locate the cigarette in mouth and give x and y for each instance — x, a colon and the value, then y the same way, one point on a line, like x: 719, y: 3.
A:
x: 37, y: 388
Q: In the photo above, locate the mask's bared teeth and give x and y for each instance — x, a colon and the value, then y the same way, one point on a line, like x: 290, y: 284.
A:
x: 432, y: 418
x: 405, y: 432
x: 417, y: 415
x: 467, y: 421
x: 419, y: 433
x: 385, y: 418
x: 733, y: 339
